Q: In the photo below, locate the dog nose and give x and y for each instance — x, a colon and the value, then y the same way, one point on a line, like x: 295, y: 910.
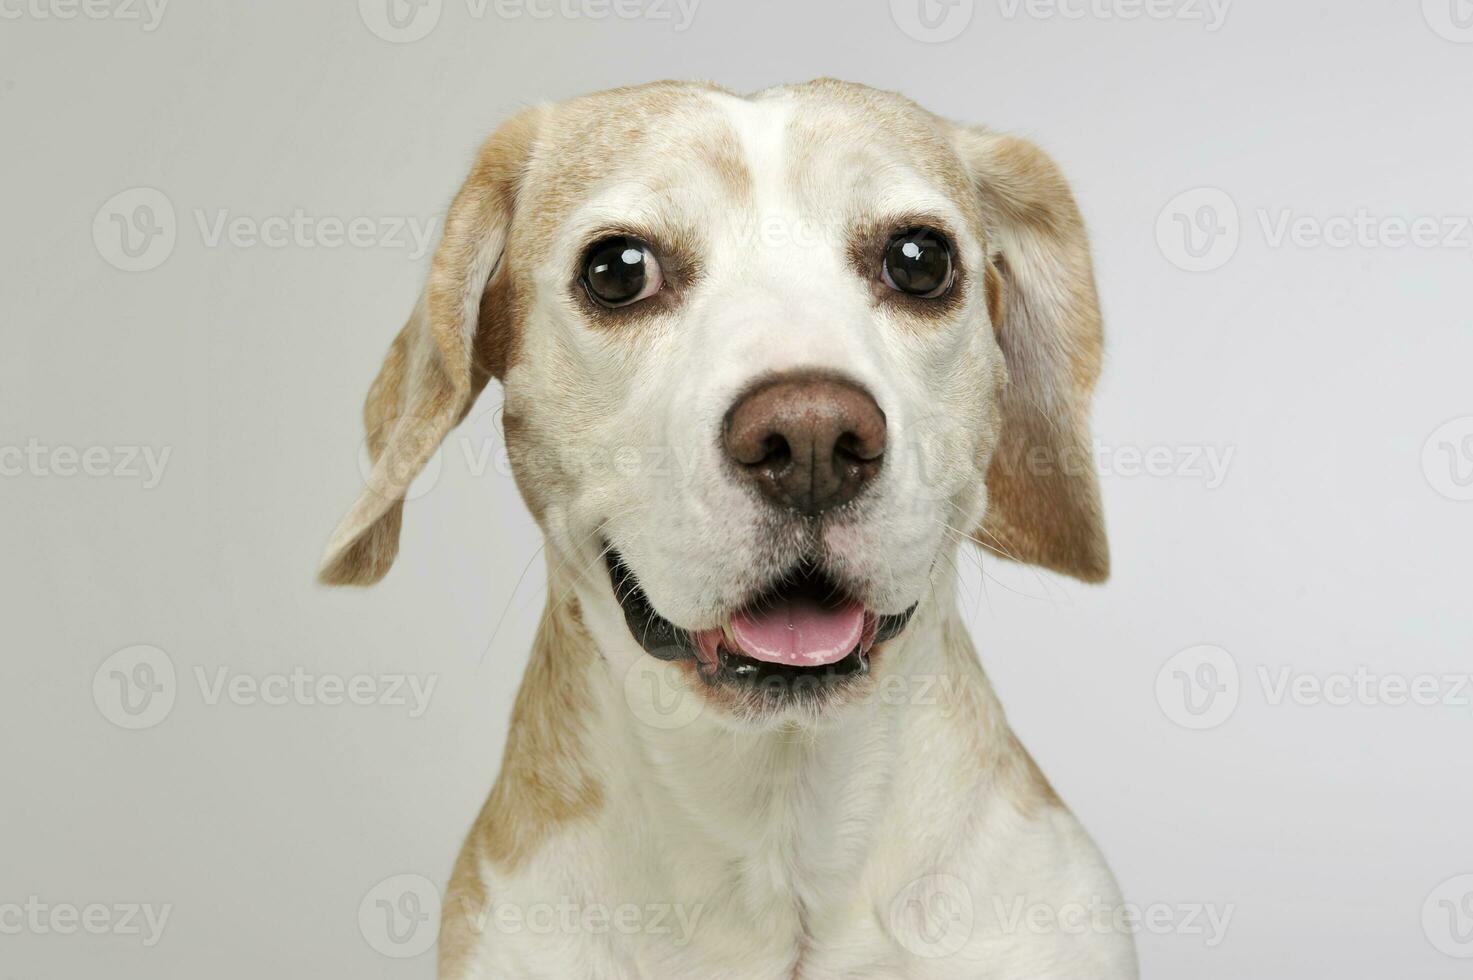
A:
x: 809, y: 443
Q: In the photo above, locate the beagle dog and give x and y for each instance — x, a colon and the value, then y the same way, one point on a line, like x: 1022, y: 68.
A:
x: 769, y: 362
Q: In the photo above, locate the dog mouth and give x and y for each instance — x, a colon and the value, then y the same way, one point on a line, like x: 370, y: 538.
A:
x: 805, y: 631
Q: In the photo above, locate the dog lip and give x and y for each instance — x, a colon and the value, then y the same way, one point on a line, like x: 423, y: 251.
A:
x: 663, y: 640
x: 659, y: 637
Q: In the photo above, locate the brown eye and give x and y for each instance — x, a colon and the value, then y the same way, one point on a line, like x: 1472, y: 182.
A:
x: 620, y: 271
x: 918, y: 262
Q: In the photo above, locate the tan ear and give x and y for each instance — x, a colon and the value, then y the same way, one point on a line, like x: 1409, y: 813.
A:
x: 1043, y: 493
x: 441, y: 359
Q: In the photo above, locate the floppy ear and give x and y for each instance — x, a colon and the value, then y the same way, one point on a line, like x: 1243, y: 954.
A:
x: 1043, y: 494
x: 440, y: 361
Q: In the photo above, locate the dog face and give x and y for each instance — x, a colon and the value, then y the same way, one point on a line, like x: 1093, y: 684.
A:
x: 765, y: 360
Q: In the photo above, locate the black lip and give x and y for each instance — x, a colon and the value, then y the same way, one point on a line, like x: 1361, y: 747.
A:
x: 660, y: 638
x: 663, y: 640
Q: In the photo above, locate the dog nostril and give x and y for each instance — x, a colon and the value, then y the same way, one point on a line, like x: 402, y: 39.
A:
x: 776, y: 453
x: 853, y: 448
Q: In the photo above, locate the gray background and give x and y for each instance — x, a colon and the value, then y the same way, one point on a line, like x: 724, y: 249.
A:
x: 1336, y: 538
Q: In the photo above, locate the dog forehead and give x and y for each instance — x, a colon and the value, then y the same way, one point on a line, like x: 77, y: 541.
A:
x: 866, y: 136
x: 652, y: 139
x: 693, y: 147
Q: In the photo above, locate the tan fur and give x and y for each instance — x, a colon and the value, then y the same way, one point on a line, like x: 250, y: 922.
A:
x: 841, y: 119
x: 544, y: 784
x: 996, y: 294
x: 582, y: 136
x: 1044, y: 501
x: 995, y: 746
x: 429, y: 378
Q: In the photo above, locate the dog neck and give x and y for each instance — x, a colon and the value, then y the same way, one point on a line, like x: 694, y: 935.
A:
x: 785, y: 823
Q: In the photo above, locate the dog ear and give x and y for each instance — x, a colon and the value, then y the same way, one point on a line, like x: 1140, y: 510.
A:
x: 440, y: 361
x: 1043, y: 493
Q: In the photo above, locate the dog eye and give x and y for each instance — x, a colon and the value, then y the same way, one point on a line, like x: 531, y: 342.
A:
x: 918, y: 262
x: 621, y: 271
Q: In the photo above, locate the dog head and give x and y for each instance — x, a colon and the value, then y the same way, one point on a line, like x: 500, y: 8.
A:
x: 766, y: 360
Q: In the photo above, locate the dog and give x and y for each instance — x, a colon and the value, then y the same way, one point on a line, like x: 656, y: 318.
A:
x: 768, y: 362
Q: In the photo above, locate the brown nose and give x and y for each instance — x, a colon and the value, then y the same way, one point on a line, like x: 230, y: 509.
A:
x: 808, y: 442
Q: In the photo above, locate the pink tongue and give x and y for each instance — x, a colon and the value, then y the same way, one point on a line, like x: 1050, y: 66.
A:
x: 799, y: 632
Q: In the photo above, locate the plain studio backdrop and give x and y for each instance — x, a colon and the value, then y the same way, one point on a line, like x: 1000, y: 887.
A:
x: 215, y: 219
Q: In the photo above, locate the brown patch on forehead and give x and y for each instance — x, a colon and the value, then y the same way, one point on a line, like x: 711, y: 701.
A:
x: 722, y: 152
x: 656, y: 138
x: 651, y: 135
x: 668, y: 141
x: 861, y: 133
